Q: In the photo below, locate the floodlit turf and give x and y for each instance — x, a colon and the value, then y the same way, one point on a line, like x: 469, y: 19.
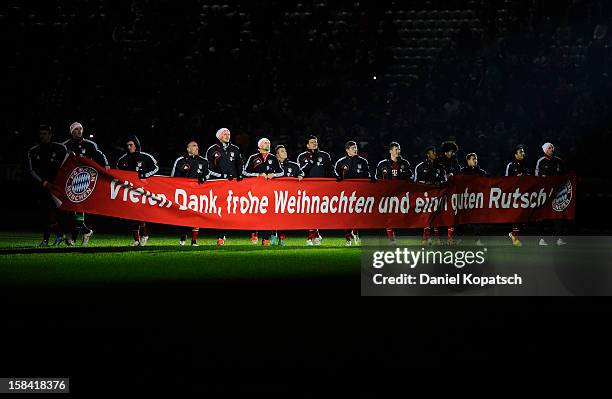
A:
x: 110, y: 259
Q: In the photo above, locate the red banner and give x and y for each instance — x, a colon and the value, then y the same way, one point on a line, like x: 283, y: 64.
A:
x: 285, y: 203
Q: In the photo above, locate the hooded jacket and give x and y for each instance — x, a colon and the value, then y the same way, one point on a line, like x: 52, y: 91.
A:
x: 138, y: 161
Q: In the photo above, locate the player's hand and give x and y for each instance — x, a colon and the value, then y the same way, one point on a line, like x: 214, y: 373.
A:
x: 262, y: 175
x: 230, y: 177
x: 107, y: 167
x: 201, y: 179
x: 46, y: 184
x: 338, y: 178
x: 239, y: 178
x: 300, y: 178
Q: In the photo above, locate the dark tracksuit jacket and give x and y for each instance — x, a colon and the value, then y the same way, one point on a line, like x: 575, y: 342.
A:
x: 224, y: 160
x: 316, y: 164
x: 389, y: 170
x: 88, y: 149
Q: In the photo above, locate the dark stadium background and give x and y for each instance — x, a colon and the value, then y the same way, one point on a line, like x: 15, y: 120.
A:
x: 490, y: 74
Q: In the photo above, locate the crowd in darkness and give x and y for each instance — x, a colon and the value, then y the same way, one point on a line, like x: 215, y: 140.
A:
x: 174, y: 71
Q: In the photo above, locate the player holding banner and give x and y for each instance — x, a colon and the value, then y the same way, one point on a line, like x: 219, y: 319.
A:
x: 44, y: 160
x: 517, y: 167
x: 193, y: 166
x: 449, y: 163
x: 551, y: 165
x: 263, y: 164
x: 429, y: 172
x: 315, y: 163
x: 394, y: 168
x: 225, y: 162
x: 146, y: 166
x: 472, y: 169
x: 82, y: 147
x: 352, y: 166
x: 290, y: 169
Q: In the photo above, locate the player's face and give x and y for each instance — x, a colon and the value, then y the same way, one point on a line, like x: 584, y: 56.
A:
x: 77, y: 132
x: 312, y: 144
x: 265, y: 146
x: 352, y: 151
x: 193, y: 149
x: 45, y: 136
x: 549, y: 151
x: 431, y: 155
x: 225, y: 136
x: 131, y: 147
x: 281, y: 154
x: 449, y: 154
x: 395, y: 152
x: 472, y: 162
x: 520, y: 154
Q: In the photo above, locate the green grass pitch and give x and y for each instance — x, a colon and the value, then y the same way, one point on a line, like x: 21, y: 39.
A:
x: 109, y: 259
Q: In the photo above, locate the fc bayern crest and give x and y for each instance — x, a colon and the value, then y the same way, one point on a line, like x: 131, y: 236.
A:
x: 81, y: 183
x: 563, y: 197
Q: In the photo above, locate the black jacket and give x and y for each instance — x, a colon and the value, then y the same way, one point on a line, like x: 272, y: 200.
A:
x: 316, y: 164
x: 257, y: 164
x: 88, y: 149
x: 352, y: 167
x: 449, y: 165
x: 195, y: 167
x: 429, y: 172
x: 224, y: 160
x: 291, y: 169
x: 44, y: 160
x: 400, y: 170
x: 549, y: 166
x: 140, y: 162
x: 518, y: 168
x: 469, y: 171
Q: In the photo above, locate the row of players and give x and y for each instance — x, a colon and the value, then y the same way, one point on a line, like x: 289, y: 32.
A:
x: 223, y: 160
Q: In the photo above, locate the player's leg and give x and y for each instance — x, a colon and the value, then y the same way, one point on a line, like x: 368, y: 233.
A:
x: 76, y: 227
x: 425, y: 239
x: 87, y: 232
x: 559, y: 229
x: 56, y: 226
x: 144, y: 233
x: 195, y: 233
x: 348, y: 236
x: 312, y: 233
x: 47, y: 224
x: 220, y: 237
x: 265, y: 237
x: 450, y: 235
x: 281, y: 238
x: 391, y: 235
x: 437, y: 235
x: 542, y: 228
x: 274, y: 238
x: 135, y: 234
x: 183, y: 238
x: 477, y: 228
x: 514, y: 235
